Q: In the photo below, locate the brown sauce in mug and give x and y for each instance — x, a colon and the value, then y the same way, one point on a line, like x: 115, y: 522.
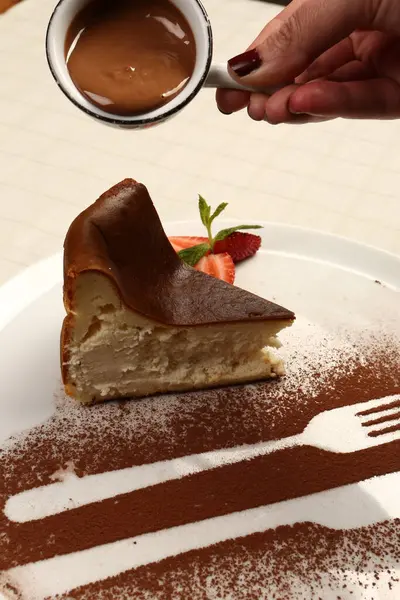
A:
x: 130, y: 56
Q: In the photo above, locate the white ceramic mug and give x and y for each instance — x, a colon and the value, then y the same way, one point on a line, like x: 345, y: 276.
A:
x: 204, y: 74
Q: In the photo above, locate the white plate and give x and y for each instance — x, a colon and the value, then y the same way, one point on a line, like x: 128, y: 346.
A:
x: 327, y: 280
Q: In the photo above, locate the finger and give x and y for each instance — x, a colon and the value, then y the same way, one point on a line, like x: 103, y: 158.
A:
x: 371, y: 99
x: 256, y: 108
x: 305, y: 120
x: 297, y: 36
x: 329, y: 61
x: 230, y: 101
x: 357, y: 47
x: 277, y: 106
x: 275, y: 109
x: 386, y: 59
x: 353, y: 71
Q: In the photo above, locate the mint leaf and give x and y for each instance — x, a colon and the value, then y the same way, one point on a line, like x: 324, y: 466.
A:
x: 191, y: 256
x: 224, y: 233
x: 207, y: 219
x: 205, y: 211
x: 218, y: 211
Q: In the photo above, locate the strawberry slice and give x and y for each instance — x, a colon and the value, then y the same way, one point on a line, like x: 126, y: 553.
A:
x: 218, y: 265
x: 239, y: 245
x: 214, y: 254
x: 182, y: 242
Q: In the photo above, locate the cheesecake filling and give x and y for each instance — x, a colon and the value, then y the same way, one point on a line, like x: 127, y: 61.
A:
x: 116, y: 352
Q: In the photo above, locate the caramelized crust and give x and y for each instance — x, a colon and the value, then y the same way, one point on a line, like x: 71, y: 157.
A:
x: 121, y: 236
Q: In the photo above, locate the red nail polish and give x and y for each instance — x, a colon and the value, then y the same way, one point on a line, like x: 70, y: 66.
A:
x: 245, y: 63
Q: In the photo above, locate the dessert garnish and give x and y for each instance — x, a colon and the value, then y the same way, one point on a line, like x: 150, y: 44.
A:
x: 217, y: 255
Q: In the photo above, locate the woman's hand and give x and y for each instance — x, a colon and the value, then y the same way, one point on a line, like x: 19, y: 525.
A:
x: 335, y: 58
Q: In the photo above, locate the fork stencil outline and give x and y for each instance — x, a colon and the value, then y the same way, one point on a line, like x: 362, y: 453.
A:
x: 340, y: 430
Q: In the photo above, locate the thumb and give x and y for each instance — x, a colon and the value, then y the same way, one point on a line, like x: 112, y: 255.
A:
x: 298, y: 35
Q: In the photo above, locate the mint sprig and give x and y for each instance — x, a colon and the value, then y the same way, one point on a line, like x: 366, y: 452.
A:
x: 192, y: 255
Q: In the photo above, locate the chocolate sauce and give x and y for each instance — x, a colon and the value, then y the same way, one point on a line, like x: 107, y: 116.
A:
x: 130, y: 57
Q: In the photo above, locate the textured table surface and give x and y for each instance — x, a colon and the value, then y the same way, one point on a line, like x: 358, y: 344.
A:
x: 341, y: 177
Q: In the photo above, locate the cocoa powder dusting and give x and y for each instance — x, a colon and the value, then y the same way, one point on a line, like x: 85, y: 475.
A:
x: 280, y: 476
x: 287, y: 563
x: 390, y: 429
x: 384, y: 419
x: 298, y: 561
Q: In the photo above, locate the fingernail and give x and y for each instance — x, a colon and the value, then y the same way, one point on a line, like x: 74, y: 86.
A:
x: 245, y: 63
x: 223, y: 112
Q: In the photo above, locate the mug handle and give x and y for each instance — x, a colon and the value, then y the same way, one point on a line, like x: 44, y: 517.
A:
x: 219, y: 77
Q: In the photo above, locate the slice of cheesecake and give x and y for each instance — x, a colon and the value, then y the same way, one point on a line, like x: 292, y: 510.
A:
x: 140, y: 321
